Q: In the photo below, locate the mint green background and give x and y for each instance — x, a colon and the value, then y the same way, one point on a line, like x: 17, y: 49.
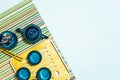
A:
x: 87, y: 32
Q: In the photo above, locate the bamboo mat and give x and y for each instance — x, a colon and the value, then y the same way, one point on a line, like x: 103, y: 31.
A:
x: 20, y: 16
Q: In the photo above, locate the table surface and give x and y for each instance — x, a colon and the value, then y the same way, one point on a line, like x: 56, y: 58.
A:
x: 87, y: 32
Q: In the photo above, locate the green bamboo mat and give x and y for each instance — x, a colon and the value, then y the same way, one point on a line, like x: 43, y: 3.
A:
x: 20, y: 16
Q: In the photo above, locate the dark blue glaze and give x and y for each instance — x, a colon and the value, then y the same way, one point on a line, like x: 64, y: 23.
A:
x: 44, y: 74
x: 8, y: 40
x: 34, y: 57
x: 23, y: 74
x: 32, y: 33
